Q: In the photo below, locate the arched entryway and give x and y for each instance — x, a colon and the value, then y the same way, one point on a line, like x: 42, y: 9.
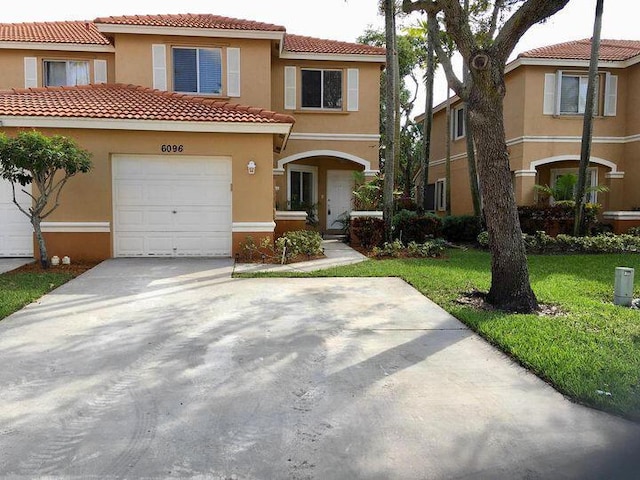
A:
x: 320, y: 182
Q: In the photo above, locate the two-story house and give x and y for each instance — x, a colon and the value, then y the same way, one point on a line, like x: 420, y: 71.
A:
x: 199, y: 126
x: 543, y: 108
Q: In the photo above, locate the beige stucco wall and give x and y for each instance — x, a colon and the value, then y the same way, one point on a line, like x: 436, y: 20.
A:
x: 12, y: 61
x: 365, y: 120
x: 88, y: 197
x: 524, y: 117
x: 134, y: 63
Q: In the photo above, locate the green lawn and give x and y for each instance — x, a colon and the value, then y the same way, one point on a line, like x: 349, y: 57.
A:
x: 594, y: 347
x: 20, y: 289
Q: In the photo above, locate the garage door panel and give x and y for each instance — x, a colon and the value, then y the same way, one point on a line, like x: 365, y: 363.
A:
x: 172, y: 206
x: 16, y: 232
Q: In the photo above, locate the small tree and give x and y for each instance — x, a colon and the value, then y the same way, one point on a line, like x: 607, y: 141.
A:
x: 47, y: 163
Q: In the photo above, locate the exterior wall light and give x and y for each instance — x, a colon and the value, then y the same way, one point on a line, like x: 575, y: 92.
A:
x: 251, y: 167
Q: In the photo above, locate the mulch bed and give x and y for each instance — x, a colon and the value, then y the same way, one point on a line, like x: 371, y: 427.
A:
x: 276, y: 260
x: 74, y: 268
x: 477, y: 300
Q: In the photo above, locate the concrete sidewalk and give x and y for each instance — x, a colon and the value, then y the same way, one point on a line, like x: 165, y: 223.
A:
x: 8, y: 264
x: 336, y: 253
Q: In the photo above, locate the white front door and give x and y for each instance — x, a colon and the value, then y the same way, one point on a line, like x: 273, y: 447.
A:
x: 171, y: 206
x: 16, y: 232
x: 340, y: 185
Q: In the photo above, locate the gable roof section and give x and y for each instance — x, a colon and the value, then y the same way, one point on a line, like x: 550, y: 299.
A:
x: 301, y: 44
x: 190, y: 20
x: 129, y: 103
x: 78, y: 32
x: 610, y: 50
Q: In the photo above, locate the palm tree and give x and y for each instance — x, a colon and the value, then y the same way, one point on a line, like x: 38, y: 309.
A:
x: 587, y: 128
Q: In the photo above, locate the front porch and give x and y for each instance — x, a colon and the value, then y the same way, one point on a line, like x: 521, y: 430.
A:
x: 320, y: 183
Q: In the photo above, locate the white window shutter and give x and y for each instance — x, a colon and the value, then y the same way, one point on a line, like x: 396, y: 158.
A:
x: 611, y: 95
x: 159, y: 59
x: 549, y: 107
x: 233, y: 72
x: 290, y: 88
x: 353, y: 80
x: 30, y: 72
x: 99, y: 71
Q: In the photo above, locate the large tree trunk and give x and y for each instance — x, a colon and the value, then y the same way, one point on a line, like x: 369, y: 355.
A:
x: 510, y: 289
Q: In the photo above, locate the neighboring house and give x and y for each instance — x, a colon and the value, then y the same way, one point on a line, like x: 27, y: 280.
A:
x: 180, y: 113
x: 546, y: 90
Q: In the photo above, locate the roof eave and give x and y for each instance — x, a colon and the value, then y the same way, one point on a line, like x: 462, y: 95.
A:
x: 333, y: 57
x: 72, y: 47
x: 146, y: 125
x: 190, y: 32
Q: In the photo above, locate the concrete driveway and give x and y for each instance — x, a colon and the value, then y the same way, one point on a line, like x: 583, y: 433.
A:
x: 171, y: 369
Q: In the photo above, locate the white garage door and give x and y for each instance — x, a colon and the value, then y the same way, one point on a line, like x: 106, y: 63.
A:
x: 172, y: 206
x: 16, y: 233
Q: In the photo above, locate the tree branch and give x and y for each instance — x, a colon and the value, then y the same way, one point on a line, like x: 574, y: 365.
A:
x: 454, y: 82
x: 532, y: 12
x: 494, y: 18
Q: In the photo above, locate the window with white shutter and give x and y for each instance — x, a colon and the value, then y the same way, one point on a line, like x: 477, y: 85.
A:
x: 99, y: 71
x: 233, y: 72
x: 159, y: 60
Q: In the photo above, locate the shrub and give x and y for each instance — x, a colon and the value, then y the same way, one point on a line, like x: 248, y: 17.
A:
x: 555, y: 219
x: 461, y: 228
x: 429, y: 249
x: 367, y: 195
x: 368, y: 230
x: 540, y: 242
x: 405, y: 203
x: 409, y: 227
x: 299, y: 242
x: 634, y: 231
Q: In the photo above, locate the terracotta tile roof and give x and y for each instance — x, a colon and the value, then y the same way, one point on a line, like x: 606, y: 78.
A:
x: 190, y: 20
x: 52, y: 32
x: 610, y: 50
x: 301, y: 44
x: 128, y: 102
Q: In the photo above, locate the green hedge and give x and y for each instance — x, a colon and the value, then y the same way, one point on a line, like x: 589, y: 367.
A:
x: 540, y: 242
x: 409, y: 226
x: 461, y: 228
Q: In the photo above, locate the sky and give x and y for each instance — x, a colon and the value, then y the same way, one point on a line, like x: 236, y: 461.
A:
x: 331, y: 19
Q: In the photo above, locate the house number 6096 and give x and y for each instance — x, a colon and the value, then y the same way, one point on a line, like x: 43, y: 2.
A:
x: 172, y: 148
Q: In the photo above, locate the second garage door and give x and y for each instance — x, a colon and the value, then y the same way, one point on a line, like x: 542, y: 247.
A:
x: 16, y: 233
x: 172, y: 206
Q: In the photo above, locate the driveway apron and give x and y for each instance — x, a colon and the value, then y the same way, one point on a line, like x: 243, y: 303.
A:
x: 172, y: 369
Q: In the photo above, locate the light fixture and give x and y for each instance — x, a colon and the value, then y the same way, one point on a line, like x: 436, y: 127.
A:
x: 251, y: 167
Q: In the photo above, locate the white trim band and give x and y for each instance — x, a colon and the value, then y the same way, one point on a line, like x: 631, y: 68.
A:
x: 349, y: 137
x: 525, y: 173
x: 291, y: 215
x: 614, y: 175
x: 65, y: 47
x: 366, y: 213
x: 190, y: 32
x: 621, y: 215
x: 334, y: 57
x: 250, y: 227
x: 145, y: 125
x: 76, y: 227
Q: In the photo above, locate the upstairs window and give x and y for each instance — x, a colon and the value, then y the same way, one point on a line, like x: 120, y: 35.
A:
x: 573, y: 94
x: 565, y: 93
x: 322, y: 89
x: 65, y: 73
x: 197, y: 70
